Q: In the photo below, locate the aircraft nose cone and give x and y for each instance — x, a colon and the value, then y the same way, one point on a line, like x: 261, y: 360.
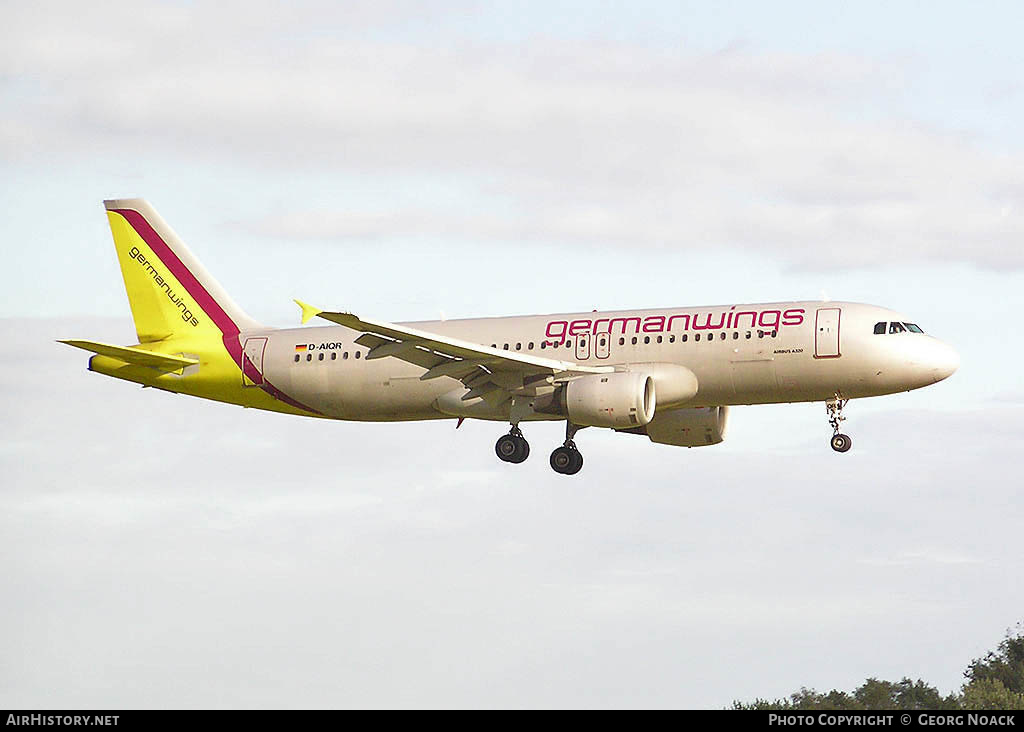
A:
x: 930, y: 361
x: 944, y: 361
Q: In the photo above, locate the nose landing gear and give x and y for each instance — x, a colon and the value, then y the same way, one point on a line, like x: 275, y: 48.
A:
x: 834, y: 409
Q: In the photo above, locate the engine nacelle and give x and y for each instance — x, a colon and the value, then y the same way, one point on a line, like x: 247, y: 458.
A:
x: 692, y: 427
x: 620, y: 400
x: 676, y: 385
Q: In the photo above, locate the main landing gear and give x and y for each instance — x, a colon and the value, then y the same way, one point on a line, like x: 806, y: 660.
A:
x: 834, y: 409
x: 567, y: 459
x: 513, y: 447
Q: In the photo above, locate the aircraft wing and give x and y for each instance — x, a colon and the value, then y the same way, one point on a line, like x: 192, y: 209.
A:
x: 491, y: 373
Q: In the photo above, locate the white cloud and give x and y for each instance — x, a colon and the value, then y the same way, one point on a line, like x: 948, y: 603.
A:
x: 801, y: 157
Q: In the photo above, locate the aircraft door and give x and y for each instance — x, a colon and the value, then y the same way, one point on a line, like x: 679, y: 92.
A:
x: 583, y: 347
x: 252, y: 361
x: 602, y: 345
x: 826, y: 333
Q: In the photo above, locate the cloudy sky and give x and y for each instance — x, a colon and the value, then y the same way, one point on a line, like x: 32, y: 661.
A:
x: 404, y: 159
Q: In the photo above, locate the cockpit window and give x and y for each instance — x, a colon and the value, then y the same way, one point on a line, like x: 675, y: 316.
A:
x: 895, y: 327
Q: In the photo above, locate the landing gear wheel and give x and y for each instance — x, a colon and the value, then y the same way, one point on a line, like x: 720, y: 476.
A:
x: 577, y: 463
x: 841, y: 443
x: 505, y: 448
x: 523, y: 450
x: 512, y: 448
x: 566, y: 460
x: 561, y: 460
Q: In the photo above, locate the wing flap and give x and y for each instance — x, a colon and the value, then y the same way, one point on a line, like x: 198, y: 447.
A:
x: 456, y: 368
x: 413, y: 355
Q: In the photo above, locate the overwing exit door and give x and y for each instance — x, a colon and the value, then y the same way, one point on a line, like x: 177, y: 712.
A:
x: 826, y: 333
x: 582, y: 347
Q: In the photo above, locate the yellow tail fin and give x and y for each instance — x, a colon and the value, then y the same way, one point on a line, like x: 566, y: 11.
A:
x: 193, y: 338
x: 171, y: 294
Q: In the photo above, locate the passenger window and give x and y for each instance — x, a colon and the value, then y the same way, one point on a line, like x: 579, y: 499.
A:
x: 647, y: 339
x: 696, y: 337
x: 519, y: 346
x: 296, y: 358
x: 344, y: 356
x: 880, y: 328
x: 760, y: 334
x: 530, y: 345
x: 775, y: 333
x: 603, y: 341
x: 505, y: 347
x: 723, y: 335
x: 735, y: 335
x: 334, y: 355
x: 634, y: 340
x: 358, y: 353
x: 684, y: 337
x: 748, y: 335
x: 568, y: 344
x: 321, y: 358
x: 659, y: 339
x: 622, y: 341
x: 583, y: 342
x: 309, y: 356
x: 895, y: 327
x: 671, y: 339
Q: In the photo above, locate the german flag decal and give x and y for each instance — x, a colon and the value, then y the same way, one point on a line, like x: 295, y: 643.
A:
x: 300, y: 348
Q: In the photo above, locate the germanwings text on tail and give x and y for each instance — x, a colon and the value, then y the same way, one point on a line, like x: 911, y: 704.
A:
x: 669, y: 374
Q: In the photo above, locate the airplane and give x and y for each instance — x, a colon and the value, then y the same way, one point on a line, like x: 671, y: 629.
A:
x: 669, y: 374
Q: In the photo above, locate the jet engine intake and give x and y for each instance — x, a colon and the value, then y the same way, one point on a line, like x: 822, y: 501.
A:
x: 619, y: 400
x: 676, y: 385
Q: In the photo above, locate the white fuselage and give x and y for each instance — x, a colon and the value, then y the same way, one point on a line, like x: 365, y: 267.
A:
x: 741, y: 354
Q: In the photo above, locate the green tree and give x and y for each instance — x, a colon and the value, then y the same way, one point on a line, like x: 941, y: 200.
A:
x: 904, y: 694
x: 995, y: 681
x: 1006, y: 663
x: 990, y: 694
x: 871, y: 695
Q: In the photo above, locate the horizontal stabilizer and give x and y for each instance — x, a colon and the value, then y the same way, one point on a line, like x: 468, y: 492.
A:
x: 135, y: 356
